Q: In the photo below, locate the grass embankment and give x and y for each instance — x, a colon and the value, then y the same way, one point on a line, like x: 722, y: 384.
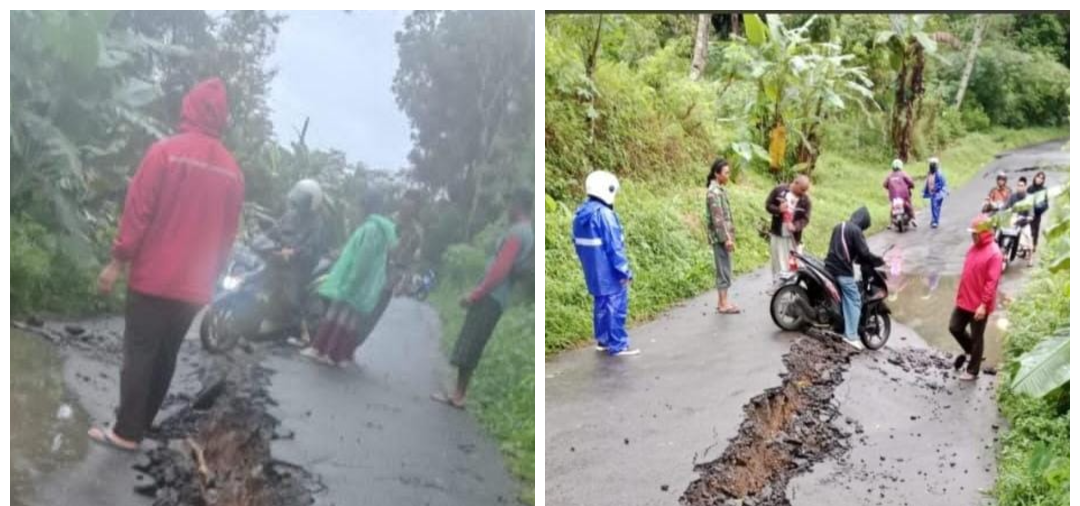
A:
x: 1033, y: 461
x: 666, y: 238
x: 502, y: 394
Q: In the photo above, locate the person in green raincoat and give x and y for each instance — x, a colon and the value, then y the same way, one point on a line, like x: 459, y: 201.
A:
x: 354, y: 285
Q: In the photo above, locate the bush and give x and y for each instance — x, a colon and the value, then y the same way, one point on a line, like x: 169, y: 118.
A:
x: 975, y: 119
x: 1019, y: 89
x: 44, y: 278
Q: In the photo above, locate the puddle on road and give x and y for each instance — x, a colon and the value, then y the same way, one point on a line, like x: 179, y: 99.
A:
x: 46, y: 423
x: 925, y: 304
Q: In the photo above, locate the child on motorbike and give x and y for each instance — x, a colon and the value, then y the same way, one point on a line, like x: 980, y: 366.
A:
x: 354, y: 285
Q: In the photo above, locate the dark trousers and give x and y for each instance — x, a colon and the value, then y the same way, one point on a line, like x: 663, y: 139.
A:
x: 1036, y: 222
x: 971, y: 343
x: 154, y: 329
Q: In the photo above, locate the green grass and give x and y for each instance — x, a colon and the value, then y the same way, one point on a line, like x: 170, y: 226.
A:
x: 666, y: 238
x: 501, y: 394
x: 1033, y: 461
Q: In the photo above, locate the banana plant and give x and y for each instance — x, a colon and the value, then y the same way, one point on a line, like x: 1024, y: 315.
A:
x: 1045, y: 367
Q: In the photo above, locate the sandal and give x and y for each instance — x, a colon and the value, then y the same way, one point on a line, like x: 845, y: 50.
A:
x: 731, y: 310
x: 445, y: 399
x: 106, y: 438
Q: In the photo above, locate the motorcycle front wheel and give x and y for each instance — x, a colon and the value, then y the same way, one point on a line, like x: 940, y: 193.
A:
x: 784, y: 307
x: 220, y: 329
x: 875, y: 332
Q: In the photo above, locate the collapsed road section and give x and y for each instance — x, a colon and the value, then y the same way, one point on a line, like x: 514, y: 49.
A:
x: 785, y: 431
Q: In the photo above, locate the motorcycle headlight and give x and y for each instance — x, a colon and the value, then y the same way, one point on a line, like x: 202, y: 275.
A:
x: 230, y: 283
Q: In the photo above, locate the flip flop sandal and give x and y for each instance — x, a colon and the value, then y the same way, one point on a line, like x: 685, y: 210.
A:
x: 731, y: 310
x: 104, y: 437
x: 445, y: 399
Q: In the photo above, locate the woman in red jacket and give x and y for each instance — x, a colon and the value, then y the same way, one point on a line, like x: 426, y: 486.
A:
x: 976, y: 296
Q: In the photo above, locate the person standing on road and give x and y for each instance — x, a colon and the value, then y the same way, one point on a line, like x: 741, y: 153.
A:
x: 598, y: 240
x: 180, y: 218
x: 1000, y: 193
x: 935, y: 189
x: 721, y: 231
x: 848, y: 247
x: 976, y: 296
x: 899, y: 185
x: 354, y: 285
x: 1039, y: 194
x: 789, y: 206
x: 511, y: 263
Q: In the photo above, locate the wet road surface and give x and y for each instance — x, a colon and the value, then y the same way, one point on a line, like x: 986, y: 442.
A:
x: 370, y: 434
x: 629, y: 431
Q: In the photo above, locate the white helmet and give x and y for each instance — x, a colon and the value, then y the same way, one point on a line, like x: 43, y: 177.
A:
x: 602, y: 185
x: 306, y: 193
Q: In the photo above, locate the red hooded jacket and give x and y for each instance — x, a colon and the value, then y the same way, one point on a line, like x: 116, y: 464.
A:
x: 183, y: 205
x: 982, y: 272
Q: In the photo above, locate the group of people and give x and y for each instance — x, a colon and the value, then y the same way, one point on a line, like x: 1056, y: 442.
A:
x: 598, y: 240
x: 180, y: 218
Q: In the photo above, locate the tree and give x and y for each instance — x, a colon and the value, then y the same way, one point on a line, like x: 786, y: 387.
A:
x: 701, y: 47
x: 465, y: 81
x: 969, y: 63
x: 908, y: 45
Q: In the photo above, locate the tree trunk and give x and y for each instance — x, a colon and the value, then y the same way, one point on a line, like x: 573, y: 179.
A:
x: 701, y: 48
x: 969, y: 65
x: 590, y: 61
x: 735, y: 25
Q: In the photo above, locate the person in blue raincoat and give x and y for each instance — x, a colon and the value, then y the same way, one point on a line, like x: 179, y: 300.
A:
x: 598, y: 239
x: 935, y: 190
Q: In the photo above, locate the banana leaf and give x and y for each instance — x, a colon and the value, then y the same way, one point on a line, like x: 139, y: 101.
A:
x: 1045, y: 367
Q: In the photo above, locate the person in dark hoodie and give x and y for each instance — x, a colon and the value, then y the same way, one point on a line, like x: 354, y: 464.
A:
x: 848, y: 247
x: 302, y: 238
x: 180, y: 218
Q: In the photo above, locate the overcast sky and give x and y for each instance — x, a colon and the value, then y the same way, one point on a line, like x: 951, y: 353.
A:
x: 338, y: 68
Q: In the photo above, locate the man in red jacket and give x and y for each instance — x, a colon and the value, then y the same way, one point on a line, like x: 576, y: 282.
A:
x: 976, y: 296
x: 180, y: 218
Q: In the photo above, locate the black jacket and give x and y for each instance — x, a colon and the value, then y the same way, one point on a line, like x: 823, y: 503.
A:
x: 800, y: 219
x: 839, y: 261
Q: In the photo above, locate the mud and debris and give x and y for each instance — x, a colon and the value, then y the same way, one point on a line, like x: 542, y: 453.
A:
x: 786, y: 430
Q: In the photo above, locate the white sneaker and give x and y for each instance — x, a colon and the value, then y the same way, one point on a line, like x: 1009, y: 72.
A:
x: 628, y: 352
x: 600, y: 348
x: 858, y: 345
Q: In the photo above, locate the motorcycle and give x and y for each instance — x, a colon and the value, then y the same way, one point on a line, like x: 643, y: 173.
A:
x: 244, y: 300
x: 808, y: 296
x: 420, y: 285
x: 900, y: 217
x: 1012, y: 234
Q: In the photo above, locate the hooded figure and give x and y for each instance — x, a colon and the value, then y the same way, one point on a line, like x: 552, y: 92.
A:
x: 847, y: 246
x: 935, y: 189
x: 354, y: 285
x: 976, y: 296
x: 598, y: 240
x: 180, y: 219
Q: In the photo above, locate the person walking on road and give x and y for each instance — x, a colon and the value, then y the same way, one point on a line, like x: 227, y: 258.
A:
x: 848, y: 247
x: 935, y: 189
x: 899, y: 185
x: 179, y: 221
x: 598, y: 239
x: 354, y: 285
x: 976, y: 296
x: 721, y: 231
x: 511, y: 263
x: 1040, y: 195
x: 789, y: 206
x: 1000, y: 193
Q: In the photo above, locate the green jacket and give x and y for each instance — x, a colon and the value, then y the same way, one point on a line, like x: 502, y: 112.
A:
x: 359, y: 275
x: 718, y: 214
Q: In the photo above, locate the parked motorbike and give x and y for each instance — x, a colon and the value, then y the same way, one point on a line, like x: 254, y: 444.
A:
x: 244, y: 302
x: 808, y: 296
x: 901, y: 220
